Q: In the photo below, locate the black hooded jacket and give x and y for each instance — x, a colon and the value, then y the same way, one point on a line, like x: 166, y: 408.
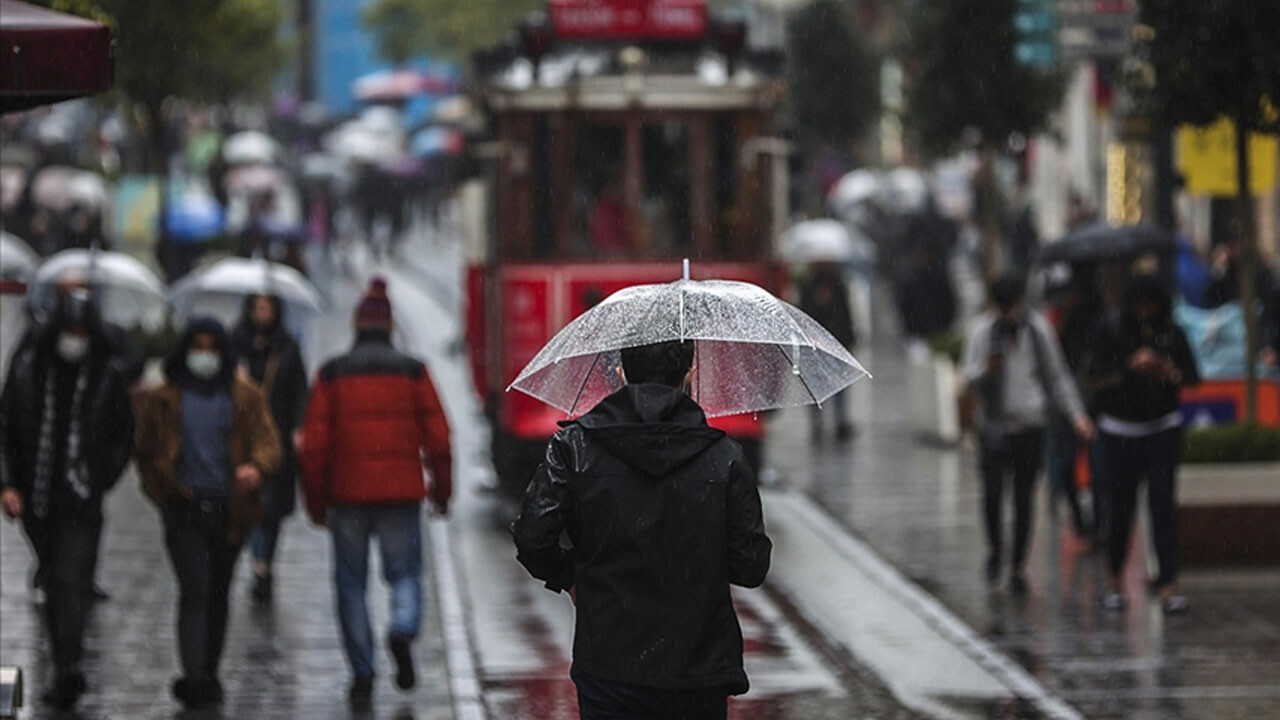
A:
x: 175, y: 365
x: 663, y: 515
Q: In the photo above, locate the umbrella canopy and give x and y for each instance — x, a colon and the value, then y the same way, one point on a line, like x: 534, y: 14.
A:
x: 437, y: 141
x: 17, y: 260
x: 255, y: 178
x: 90, y: 189
x: 905, y: 190
x: 239, y: 277
x: 128, y: 292
x: 250, y: 147
x: 402, y: 84
x: 13, y: 180
x: 51, y: 187
x: 50, y: 56
x: 324, y: 168
x: 1099, y: 242
x: 853, y: 189
x: 825, y: 241
x: 752, y: 351
x: 195, y: 217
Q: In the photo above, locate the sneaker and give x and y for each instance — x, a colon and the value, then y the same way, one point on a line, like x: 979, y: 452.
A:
x: 66, y: 691
x: 361, y: 690
x: 261, y: 591
x: 403, y: 655
x: 1174, y: 604
x: 1115, y: 601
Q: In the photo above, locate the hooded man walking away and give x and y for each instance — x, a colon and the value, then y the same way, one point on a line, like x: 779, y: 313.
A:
x: 372, y: 422
x: 663, y: 515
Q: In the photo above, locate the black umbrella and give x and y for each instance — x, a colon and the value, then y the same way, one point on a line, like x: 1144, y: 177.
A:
x: 1099, y: 242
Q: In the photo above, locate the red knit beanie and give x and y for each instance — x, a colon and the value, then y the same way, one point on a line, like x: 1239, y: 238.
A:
x: 374, y: 309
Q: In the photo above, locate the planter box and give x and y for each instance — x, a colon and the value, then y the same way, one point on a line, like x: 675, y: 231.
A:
x: 1229, y: 514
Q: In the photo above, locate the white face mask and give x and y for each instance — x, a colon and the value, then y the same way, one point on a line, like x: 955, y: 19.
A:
x: 204, y: 364
x: 72, y: 347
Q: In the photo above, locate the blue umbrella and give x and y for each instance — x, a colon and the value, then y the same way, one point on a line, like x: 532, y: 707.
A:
x: 194, y: 218
x: 437, y: 141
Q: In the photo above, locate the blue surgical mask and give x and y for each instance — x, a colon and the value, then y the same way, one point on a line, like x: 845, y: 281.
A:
x: 204, y: 364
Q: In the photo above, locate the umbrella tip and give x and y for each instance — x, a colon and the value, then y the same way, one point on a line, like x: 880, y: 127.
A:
x: 686, y: 268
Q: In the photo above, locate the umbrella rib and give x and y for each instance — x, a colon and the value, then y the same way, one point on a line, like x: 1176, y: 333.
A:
x: 809, y: 390
x: 583, y: 386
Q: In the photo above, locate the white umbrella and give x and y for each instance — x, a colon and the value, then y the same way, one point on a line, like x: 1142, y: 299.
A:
x: 51, y: 186
x: 823, y: 241
x: 17, y: 260
x: 87, y: 188
x: 13, y: 180
x: 128, y: 292
x: 854, y: 189
x: 753, y: 351
x: 250, y: 147
x: 225, y: 283
x: 906, y: 190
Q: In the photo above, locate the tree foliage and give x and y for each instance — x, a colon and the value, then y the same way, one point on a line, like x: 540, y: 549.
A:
x: 833, y: 75
x: 962, y: 75
x: 1212, y: 58
x: 409, y: 28
x: 200, y: 50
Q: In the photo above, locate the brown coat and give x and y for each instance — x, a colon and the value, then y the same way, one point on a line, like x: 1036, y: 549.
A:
x: 253, y: 440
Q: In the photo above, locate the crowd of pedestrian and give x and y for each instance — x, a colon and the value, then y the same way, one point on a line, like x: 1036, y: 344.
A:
x: 219, y: 444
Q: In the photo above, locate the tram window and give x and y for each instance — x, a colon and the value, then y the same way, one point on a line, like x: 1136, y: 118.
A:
x: 665, y: 206
x: 599, y: 207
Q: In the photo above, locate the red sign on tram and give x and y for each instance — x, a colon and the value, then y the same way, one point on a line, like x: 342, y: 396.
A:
x: 628, y: 19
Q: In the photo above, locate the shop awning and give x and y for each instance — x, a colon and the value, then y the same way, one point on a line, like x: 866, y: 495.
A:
x: 48, y: 56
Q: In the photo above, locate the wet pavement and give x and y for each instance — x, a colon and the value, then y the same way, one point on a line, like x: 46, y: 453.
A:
x: 918, y: 506
x: 875, y: 609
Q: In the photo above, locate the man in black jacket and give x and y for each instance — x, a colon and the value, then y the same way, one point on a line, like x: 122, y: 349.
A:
x: 66, y: 434
x: 663, y: 514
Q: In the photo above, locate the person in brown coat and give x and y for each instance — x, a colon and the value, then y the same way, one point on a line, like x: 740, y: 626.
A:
x: 205, y: 442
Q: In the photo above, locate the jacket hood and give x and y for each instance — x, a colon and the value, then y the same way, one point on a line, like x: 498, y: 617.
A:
x: 175, y: 366
x: 653, y: 428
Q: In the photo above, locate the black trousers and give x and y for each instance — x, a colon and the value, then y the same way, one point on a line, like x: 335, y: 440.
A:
x: 203, y: 558
x: 1015, y: 457
x: 608, y: 700
x: 1126, y: 462
x: 66, y: 546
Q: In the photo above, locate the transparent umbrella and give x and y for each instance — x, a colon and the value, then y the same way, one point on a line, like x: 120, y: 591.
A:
x: 17, y: 259
x: 128, y: 292
x: 249, y: 147
x: 752, y: 351
x: 219, y: 289
x: 825, y: 240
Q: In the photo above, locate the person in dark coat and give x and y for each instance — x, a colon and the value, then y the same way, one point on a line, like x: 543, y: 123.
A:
x: 66, y: 434
x: 205, y: 444
x: 1139, y: 362
x: 663, y: 515
x: 267, y: 354
x: 926, y: 295
x: 825, y: 297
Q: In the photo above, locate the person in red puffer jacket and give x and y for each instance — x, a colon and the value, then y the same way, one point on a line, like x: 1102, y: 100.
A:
x: 372, y: 423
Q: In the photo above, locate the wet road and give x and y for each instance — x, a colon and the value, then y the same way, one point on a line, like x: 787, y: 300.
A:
x: 875, y: 607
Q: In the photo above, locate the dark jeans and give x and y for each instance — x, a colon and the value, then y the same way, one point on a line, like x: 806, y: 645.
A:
x: 608, y: 700
x: 1127, y: 461
x: 1017, y: 455
x: 66, y: 545
x: 204, y: 560
x: 264, y: 538
x: 1063, y: 445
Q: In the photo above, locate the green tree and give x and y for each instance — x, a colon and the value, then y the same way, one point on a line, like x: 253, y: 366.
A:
x: 1210, y: 59
x: 408, y: 28
x: 833, y: 76
x: 963, y: 82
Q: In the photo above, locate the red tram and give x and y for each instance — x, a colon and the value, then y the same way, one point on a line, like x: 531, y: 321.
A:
x: 626, y: 135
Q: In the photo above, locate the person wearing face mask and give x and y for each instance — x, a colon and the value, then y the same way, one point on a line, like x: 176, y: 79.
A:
x: 1014, y: 363
x: 267, y: 354
x: 66, y: 434
x: 205, y: 443
x: 1138, y: 363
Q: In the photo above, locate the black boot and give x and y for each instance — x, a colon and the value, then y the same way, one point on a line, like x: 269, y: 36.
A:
x: 66, y: 690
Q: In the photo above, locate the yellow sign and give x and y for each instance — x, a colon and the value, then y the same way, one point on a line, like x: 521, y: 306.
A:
x: 1208, y: 159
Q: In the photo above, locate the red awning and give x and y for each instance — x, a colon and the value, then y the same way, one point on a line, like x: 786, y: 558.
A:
x: 47, y: 56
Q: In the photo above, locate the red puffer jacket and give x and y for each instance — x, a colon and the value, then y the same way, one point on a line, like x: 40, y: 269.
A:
x: 372, y: 414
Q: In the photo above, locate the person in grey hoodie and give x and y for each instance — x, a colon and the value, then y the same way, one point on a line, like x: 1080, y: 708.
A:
x: 1015, y: 367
